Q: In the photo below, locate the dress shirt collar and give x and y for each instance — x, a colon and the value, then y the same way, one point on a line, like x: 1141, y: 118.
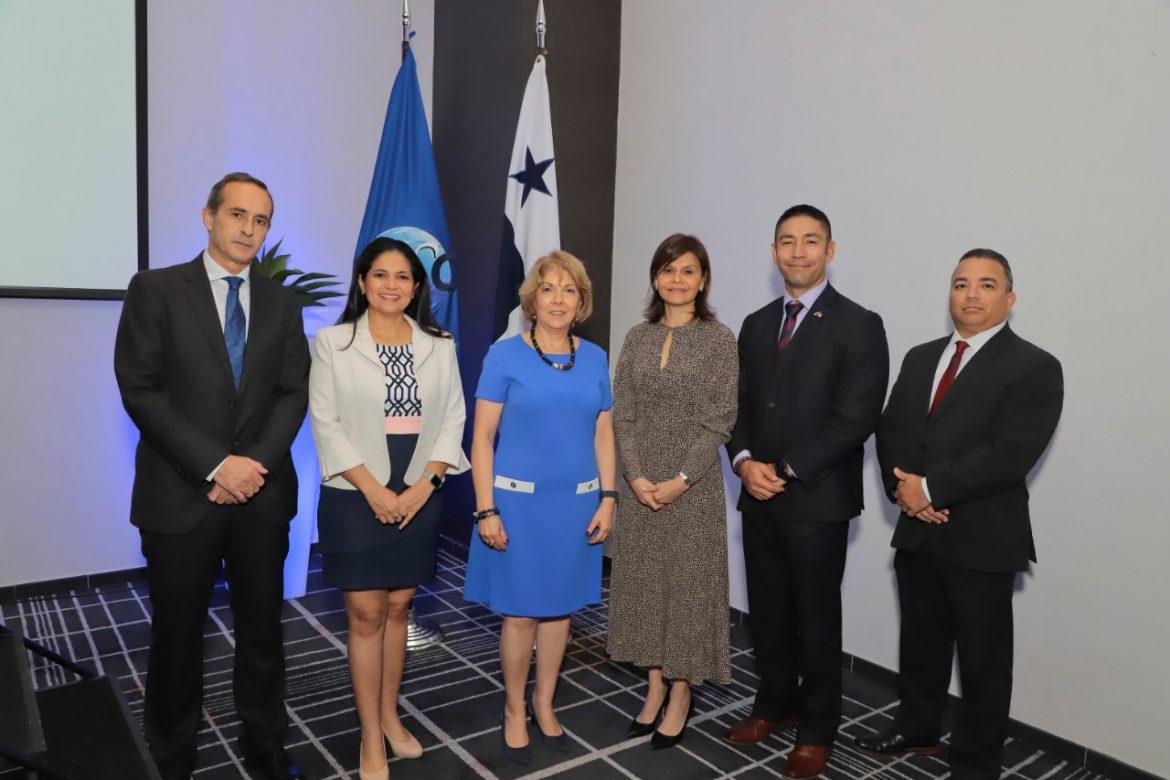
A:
x: 810, y: 296
x: 978, y: 340
x: 216, y: 271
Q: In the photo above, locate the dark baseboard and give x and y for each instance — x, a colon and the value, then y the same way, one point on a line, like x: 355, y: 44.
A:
x: 79, y: 585
x: 1076, y: 755
x: 124, y: 579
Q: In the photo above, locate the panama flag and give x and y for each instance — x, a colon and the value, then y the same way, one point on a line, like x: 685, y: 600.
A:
x: 532, y: 227
x: 404, y: 201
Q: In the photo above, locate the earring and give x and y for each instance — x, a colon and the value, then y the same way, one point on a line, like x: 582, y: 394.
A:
x: 700, y: 288
x: 655, y: 286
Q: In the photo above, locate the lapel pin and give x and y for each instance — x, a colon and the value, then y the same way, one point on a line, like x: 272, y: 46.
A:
x: 818, y: 314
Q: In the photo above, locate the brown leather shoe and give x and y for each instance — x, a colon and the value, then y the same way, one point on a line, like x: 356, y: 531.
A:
x: 806, y: 761
x: 753, y: 729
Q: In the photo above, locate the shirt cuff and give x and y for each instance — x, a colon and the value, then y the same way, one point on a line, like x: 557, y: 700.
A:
x: 741, y: 455
x: 214, y: 471
x: 926, y: 491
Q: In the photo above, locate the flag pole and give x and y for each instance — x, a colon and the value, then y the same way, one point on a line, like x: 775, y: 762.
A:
x: 419, y: 634
x: 541, y: 26
x: 405, y: 27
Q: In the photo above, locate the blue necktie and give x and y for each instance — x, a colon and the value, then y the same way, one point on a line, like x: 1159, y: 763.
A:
x: 235, y: 328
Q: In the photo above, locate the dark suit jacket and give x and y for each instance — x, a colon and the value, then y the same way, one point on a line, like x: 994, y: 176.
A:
x: 173, y: 371
x: 975, y: 451
x: 814, y: 406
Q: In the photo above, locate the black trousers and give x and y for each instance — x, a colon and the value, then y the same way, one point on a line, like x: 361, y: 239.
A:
x: 180, y: 574
x: 944, y: 606
x: 794, y: 573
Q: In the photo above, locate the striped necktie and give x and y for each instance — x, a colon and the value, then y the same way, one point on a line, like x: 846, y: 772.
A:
x: 791, y: 309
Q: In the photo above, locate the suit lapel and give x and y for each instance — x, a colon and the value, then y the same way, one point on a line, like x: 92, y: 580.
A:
x: 262, y: 310
x: 421, y: 344
x: 363, y: 342
x: 984, y: 357
x: 203, y: 307
x: 807, y: 333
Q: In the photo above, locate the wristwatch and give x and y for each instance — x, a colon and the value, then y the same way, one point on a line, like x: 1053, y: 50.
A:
x: 435, y: 480
x: 686, y: 480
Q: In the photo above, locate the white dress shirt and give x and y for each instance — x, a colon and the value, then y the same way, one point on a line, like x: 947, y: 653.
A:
x: 218, y: 275
x: 808, y: 299
x: 974, y: 344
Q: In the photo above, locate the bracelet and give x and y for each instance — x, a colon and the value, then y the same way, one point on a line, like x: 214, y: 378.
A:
x: 491, y: 511
x: 609, y: 494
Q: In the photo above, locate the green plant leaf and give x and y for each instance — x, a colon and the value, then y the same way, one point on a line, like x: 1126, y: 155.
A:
x: 313, y: 285
x: 317, y: 275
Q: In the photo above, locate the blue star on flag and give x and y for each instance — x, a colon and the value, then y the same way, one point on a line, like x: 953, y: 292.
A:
x: 532, y: 177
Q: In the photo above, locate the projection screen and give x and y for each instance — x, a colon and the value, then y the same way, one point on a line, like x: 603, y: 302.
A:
x: 72, y: 147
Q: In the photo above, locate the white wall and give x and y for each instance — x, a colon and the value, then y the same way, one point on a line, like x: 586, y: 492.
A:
x: 296, y: 97
x: 925, y: 129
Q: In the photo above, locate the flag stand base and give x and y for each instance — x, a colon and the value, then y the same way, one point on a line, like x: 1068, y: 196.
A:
x: 421, y: 633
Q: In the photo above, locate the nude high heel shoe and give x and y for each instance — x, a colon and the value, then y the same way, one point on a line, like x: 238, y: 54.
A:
x: 407, y: 748
x: 381, y: 774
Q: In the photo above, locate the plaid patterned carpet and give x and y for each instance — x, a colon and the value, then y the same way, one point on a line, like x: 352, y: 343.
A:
x: 453, y: 694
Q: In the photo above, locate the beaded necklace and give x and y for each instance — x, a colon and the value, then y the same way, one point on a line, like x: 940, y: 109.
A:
x: 554, y: 364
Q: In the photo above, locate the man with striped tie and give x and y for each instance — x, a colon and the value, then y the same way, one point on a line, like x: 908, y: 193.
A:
x: 969, y: 416
x: 813, y: 373
x: 213, y: 368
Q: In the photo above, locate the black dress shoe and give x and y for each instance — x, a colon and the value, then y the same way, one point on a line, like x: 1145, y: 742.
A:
x: 558, y: 742
x: 639, y: 729
x: 660, y: 740
x: 272, y: 765
x: 517, y: 755
x: 891, y: 743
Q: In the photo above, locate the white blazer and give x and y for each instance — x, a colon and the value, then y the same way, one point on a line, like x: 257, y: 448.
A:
x: 347, y: 393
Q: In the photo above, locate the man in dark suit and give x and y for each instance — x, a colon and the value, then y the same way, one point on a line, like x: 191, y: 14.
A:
x: 213, y: 365
x: 813, y: 373
x: 969, y: 416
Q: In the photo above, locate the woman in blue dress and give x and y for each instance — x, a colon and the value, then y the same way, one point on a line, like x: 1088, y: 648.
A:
x: 545, y: 496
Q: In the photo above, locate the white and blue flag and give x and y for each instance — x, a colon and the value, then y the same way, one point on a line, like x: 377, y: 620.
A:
x: 532, y: 226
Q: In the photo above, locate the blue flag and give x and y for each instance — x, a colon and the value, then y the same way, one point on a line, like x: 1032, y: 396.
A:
x: 404, y: 201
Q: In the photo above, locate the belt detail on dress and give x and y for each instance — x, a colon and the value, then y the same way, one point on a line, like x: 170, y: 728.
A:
x: 523, y: 486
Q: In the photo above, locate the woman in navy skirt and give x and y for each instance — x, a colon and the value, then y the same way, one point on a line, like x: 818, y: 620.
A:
x: 545, y: 495
x: 387, y: 412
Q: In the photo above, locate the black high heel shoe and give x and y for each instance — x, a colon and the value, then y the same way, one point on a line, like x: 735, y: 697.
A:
x: 520, y: 755
x: 559, y: 742
x: 660, y: 740
x: 639, y: 729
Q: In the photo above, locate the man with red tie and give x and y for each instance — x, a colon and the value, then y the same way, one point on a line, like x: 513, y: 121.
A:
x: 813, y: 369
x: 969, y: 416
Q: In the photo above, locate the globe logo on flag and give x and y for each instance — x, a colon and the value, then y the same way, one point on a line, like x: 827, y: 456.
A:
x: 434, y: 259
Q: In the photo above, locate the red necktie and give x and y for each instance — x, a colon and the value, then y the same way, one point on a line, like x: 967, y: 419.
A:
x: 948, y: 377
x: 791, y: 309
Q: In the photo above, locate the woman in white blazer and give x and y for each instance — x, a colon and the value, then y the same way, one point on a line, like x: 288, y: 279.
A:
x: 387, y: 412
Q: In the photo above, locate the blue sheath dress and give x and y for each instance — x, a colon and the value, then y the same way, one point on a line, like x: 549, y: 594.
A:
x: 546, y: 482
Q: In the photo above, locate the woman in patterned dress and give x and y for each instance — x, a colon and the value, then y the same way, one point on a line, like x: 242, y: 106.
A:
x: 387, y: 413
x: 545, y: 494
x: 675, y: 393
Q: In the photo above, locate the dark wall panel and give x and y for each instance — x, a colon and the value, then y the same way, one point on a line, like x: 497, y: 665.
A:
x: 484, y: 52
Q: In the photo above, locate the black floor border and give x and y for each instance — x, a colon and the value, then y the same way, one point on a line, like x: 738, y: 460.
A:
x: 1077, y: 755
